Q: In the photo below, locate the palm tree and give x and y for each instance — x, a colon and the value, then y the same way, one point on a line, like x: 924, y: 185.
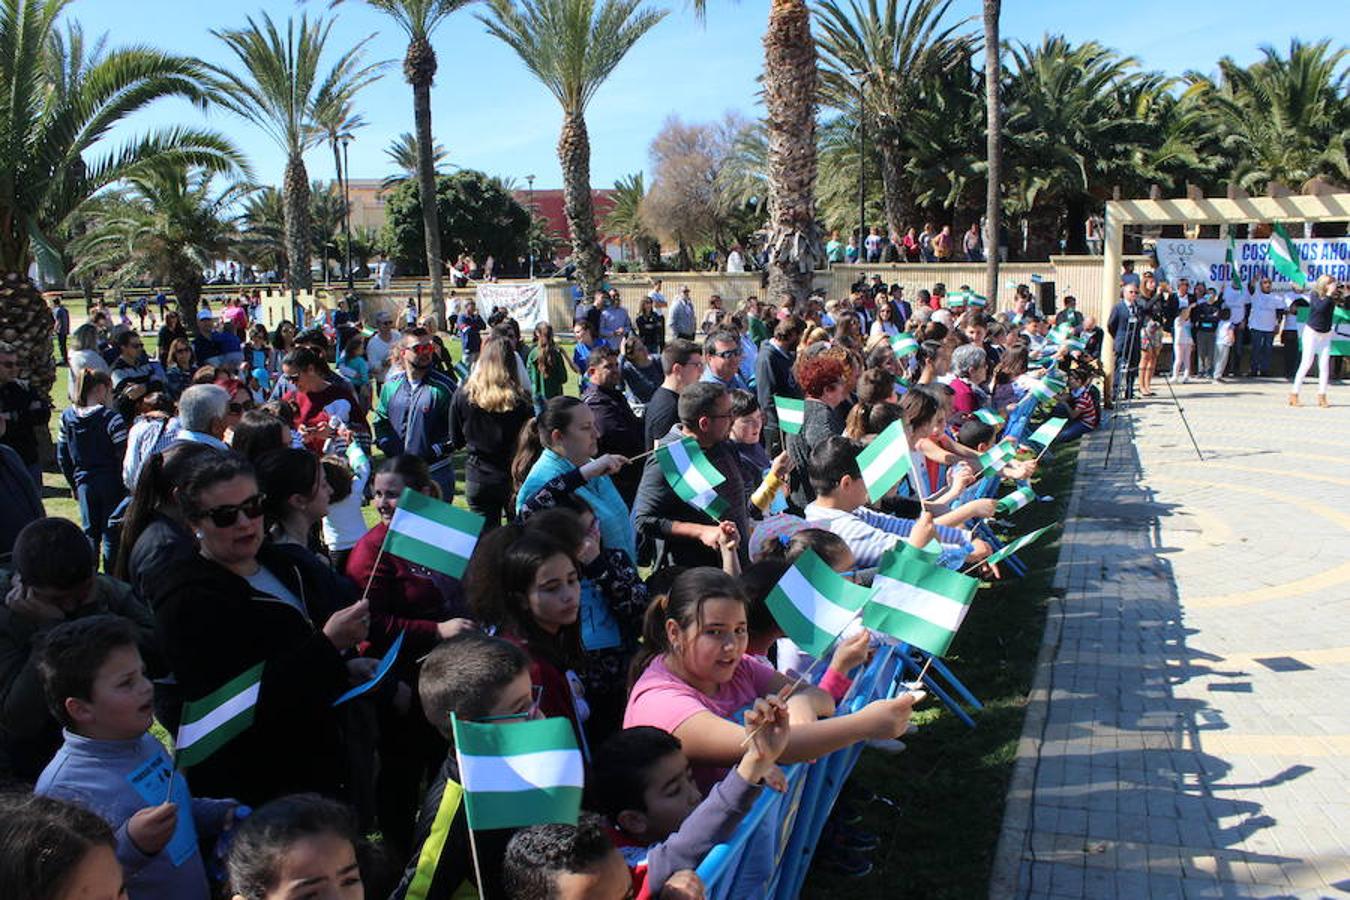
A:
x: 897, y: 52
x: 625, y: 220
x: 795, y: 244
x: 402, y: 152
x: 418, y: 19
x: 277, y: 88
x: 572, y: 46
x: 53, y: 127
x: 1282, y: 120
x: 262, y: 240
x: 326, y: 212
x: 993, y: 166
x: 169, y: 222
x: 337, y: 122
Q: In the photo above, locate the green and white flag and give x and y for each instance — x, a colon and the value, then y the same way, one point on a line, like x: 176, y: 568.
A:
x: 1000, y: 555
x: 1054, y: 382
x: 1230, y: 257
x: 885, y: 461
x: 979, y: 301
x: 432, y: 533
x: 692, y: 476
x: 1284, y: 257
x: 791, y: 414
x: 904, y: 344
x: 989, y: 417
x: 1043, y: 392
x: 813, y: 604
x: 918, y: 602
x: 211, y: 722
x: 992, y: 461
x: 517, y: 775
x: 956, y: 300
x: 1049, y: 430
x: 1015, y: 501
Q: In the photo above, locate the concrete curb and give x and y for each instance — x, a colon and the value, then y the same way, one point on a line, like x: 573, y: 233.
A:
x: 1013, y: 837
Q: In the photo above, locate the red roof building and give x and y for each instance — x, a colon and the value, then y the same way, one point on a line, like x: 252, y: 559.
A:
x: 548, y: 204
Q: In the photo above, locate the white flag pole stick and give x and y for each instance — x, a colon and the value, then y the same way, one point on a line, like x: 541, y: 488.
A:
x: 922, y: 672
x: 788, y: 690
x: 473, y: 844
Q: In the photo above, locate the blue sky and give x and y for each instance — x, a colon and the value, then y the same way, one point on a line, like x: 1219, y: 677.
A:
x: 491, y: 114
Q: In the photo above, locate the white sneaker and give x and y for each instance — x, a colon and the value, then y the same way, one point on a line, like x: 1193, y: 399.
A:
x: 1185, y: 379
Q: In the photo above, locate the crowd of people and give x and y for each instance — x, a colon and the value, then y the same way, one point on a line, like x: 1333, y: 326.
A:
x: 223, y: 478
x: 1199, y: 331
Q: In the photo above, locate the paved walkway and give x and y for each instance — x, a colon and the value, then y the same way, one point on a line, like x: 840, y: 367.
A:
x: 1189, y: 730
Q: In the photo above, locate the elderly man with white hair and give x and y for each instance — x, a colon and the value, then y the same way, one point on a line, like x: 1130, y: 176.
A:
x: 202, y: 413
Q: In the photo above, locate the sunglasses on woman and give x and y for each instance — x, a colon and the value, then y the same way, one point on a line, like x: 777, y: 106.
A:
x: 227, y: 515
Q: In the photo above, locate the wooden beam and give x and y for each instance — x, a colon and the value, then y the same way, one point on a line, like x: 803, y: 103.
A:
x: 1235, y: 211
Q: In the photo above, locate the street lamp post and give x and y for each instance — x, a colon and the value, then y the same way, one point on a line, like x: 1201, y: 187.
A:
x: 529, y: 243
x: 347, y: 209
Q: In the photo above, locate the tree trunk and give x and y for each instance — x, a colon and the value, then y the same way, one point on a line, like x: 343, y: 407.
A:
x: 1077, y: 211
x: 342, y: 193
x: 893, y: 191
x: 295, y: 197
x: 26, y: 323
x: 795, y: 242
x: 993, y: 116
x: 419, y: 67
x: 187, y: 290
x: 574, y: 153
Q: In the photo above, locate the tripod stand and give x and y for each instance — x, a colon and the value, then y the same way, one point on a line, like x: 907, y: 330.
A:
x: 1122, y: 396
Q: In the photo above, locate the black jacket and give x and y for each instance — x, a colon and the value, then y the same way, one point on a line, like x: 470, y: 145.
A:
x: 162, y: 543
x: 214, y: 625
x: 819, y: 423
x: 658, y: 506
x: 453, y: 867
x: 773, y: 376
x: 659, y: 416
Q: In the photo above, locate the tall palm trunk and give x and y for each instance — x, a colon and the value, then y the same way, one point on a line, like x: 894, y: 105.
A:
x: 574, y: 153
x: 187, y: 290
x: 342, y: 192
x: 892, y: 184
x: 26, y: 324
x: 993, y: 115
x: 295, y: 199
x: 795, y: 245
x: 419, y: 68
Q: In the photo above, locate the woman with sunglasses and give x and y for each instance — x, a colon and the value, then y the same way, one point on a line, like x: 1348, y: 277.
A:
x: 179, y: 368
x: 172, y: 330
x: 241, y: 603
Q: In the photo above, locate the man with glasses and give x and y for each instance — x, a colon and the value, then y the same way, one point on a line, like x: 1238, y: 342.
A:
x: 22, y: 413
x: 412, y: 413
x: 688, y: 536
x: 134, y: 374
x: 620, y: 429
x: 722, y: 354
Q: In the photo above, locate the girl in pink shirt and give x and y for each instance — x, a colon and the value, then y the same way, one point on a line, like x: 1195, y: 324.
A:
x: 692, y: 676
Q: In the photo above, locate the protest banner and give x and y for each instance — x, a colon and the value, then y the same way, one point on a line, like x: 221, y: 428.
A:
x: 1205, y: 260
x: 526, y: 303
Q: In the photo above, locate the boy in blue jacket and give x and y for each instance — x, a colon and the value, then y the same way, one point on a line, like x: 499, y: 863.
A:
x: 111, y: 765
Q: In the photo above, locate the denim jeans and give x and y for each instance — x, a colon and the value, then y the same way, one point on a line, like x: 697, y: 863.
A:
x: 1204, y: 349
x: 1262, y: 342
x: 97, y: 501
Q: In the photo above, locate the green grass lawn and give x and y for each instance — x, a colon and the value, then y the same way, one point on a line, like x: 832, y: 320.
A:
x: 950, y: 785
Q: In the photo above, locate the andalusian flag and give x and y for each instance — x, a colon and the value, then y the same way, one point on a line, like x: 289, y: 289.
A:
x: 1231, y: 258
x: 992, y: 461
x: 692, y: 476
x: 1046, y: 434
x: 1059, y: 334
x: 979, y: 301
x: 1054, y: 382
x: 885, y: 461
x: 432, y: 534
x: 791, y: 414
x: 904, y: 344
x: 213, y: 721
x: 1284, y: 257
x: 917, y: 602
x: 1043, y: 392
x: 1010, y: 549
x: 989, y: 417
x: 956, y: 300
x: 526, y: 773
x: 813, y: 604
x: 1015, y: 501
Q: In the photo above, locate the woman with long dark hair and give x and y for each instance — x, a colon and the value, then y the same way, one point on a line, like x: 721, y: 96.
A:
x: 322, y: 400
x: 547, y: 367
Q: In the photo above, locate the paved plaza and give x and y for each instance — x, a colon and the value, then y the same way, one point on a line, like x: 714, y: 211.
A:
x: 1189, y: 728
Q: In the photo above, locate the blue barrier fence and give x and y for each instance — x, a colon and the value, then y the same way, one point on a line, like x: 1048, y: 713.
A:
x: 770, y: 853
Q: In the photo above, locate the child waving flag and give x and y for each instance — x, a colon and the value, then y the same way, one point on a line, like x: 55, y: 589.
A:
x: 525, y: 773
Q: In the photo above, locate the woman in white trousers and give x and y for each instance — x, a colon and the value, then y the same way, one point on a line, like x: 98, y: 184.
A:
x: 1316, y: 337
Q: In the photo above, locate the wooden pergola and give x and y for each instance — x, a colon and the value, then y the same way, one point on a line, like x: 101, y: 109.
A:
x: 1320, y: 207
